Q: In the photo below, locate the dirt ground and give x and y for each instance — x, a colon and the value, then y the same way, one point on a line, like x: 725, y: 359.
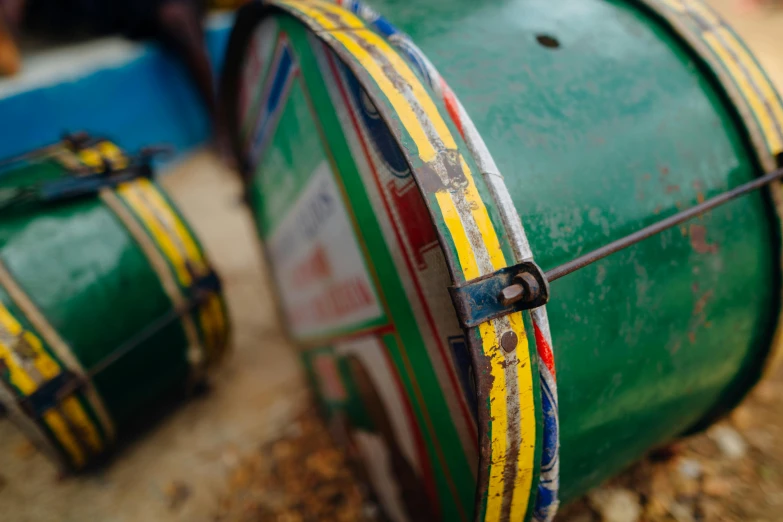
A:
x: 731, y: 473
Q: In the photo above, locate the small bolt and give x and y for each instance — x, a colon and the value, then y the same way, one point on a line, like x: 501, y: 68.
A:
x: 511, y: 294
x: 530, y: 283
x: 509, y: 341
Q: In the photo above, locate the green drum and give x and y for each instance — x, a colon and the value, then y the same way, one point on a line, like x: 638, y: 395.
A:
x: 406, y: 195
x: 108, y: 303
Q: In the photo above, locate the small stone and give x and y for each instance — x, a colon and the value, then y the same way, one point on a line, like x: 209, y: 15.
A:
x: 689, y: 468
x: 240, y: 477
x: 681, y: 512
x: 767, y: 472
x: 766, y: 392
x: 730, y: 443
x: 716, y: 487
x: 177, y: 492
x: 711, y: 510
x: 742, y: 418
x: 616, y: 504
x: 25, y: 450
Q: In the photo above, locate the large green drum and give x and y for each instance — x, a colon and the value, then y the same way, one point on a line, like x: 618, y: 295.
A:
x: 402, y: 190
x: 108, y: 303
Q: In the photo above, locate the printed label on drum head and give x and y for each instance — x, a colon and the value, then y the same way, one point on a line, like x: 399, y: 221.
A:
x: 316, y: 258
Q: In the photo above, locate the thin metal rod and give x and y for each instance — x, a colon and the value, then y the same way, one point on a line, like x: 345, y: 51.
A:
x: 660, y: 226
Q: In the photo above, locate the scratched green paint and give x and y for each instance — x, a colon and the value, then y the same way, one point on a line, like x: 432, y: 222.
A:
x: 613, y: 130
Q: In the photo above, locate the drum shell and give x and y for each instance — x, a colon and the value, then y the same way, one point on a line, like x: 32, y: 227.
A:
x: 618, y: 127
x: 83, y: 277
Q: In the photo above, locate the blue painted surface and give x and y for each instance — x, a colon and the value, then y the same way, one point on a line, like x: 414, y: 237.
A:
x: 147, y: 98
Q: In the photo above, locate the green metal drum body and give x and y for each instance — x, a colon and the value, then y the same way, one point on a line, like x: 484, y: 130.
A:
x: 612, y: 131
x: 92, y: 286
x: 602, y: 120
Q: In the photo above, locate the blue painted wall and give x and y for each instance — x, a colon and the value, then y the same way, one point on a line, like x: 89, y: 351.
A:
x: 144, y: 100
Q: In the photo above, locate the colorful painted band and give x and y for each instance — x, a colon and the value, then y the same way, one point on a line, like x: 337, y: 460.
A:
x: 30, y: 364
x: 473, y: 246
x: 546, y: 501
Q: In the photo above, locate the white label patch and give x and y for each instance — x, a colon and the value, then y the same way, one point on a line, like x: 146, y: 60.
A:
x: 318, y: 265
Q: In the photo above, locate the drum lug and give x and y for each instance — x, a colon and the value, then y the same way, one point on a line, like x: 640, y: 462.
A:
x: 505, y: 291
x: 51, y: 393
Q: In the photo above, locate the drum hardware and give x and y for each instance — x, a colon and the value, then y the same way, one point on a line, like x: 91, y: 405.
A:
x: 660, y: 226
x: 52, y: 392
x: 525, y: 286
x: 509, y: 341
x: 511, y: 289
x: 87, y: 184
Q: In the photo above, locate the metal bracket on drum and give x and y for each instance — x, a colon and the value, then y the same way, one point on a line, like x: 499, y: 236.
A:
x: 512, y: 289
x: 51, y: 393
x: 525, y: 286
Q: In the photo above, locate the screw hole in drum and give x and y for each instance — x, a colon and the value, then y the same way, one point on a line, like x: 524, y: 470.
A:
x: 548, y: 41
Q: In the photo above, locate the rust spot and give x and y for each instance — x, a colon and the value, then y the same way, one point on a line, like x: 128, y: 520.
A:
x: 699, y: 187
x: 657, y: 210
x: 699, y: 241
x: 664, y: 170
x: 646, y: 176
x: 701, y: 302
x: 692, y: 337
x: 671, y: 189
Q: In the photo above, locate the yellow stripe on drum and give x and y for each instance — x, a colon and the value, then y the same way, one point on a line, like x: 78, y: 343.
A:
x: 212, y: 320
x: 744, y: 85
x: 481, y: 218
x: 130, y: 193
x: 768, y: 95
x: 401, y: 68
x: 113, y: 153
x: 164, y: 212
x: 195, y: 354
x: 675, y: 5
x: 708, y: 16
x: 62, y: 431
x: 60, y: 348
x: 91, y: 157
x: 27, y: 385
x: 465, y: 255
x: 527, y: 421
x: 499, y: 425
x: 351, y: 41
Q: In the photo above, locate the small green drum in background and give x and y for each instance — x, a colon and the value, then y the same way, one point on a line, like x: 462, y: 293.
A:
x: 108, y: 303
x: 407, y: 194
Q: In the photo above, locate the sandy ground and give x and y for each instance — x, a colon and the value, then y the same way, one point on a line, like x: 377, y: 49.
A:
x: 178, y: 470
